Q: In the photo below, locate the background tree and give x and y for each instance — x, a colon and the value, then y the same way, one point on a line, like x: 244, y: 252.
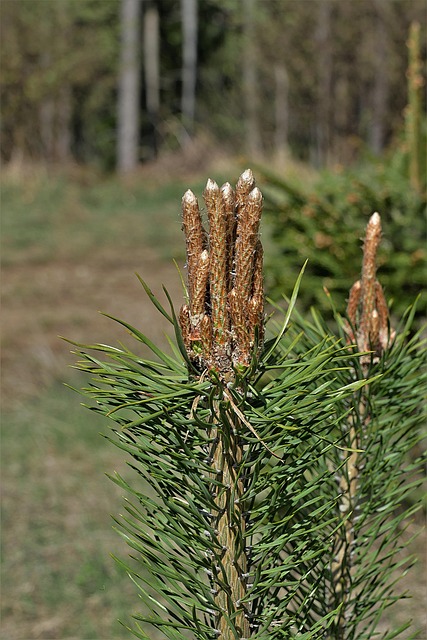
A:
x: 251, y: 98
x: 324, y: 81
x: 189, y: 15
x: 152, y: 69
x: 60, y: 62
x: 281, y: 141
x: 59, y: 66
x: 129, y: 81
x: 380, y: 42
x: 414, y: 131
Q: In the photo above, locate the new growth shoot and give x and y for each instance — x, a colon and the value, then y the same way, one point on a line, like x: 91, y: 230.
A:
x: 223, y: 320
x: 222, y: 327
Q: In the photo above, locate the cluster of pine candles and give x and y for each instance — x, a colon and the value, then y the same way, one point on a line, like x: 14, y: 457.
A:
x: 276, y: 460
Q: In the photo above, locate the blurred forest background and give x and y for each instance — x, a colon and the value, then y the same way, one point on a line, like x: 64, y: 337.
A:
x: 111, y: 109
x: 320, y: 79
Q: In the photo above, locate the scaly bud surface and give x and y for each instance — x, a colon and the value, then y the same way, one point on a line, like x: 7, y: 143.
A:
x: 225, y: 283
x: 367, y: 308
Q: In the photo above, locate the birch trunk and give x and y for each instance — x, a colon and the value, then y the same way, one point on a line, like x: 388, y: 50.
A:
x: 250, y: 84
x: 152, y: 69
x: 282, y: 113
x: 129, y: 83
x: 189, y: 63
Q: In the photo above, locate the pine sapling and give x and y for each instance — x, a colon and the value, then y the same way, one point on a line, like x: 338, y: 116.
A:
x: 231, y: 523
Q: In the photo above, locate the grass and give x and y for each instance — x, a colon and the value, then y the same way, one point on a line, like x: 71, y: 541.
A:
x: 59, y: 580
x: 60, y: 218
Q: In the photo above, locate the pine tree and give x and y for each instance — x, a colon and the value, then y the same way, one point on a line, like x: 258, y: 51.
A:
x: 269, y: 470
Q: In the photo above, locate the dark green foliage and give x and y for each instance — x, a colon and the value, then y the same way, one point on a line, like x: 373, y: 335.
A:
x: 299, y: 400
x: 389, y: 420
x: 164, y: 422
x: 323, y: 222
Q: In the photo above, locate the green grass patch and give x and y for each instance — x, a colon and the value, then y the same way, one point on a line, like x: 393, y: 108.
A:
x: 57, y: 532
x: 52, y: 217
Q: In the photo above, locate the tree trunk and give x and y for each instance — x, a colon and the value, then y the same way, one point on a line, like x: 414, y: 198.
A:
x: 189, y: 63
x: 152, y: 69
x: 46, y: 118
x: 129, y: 82
x: 250, y: 83
x: 413, y: 128
x: 63, y: 136
x: 282, y: 113
x: 381, y: 80
x: 324, y: 81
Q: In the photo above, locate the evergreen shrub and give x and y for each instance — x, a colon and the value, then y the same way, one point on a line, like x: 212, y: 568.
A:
x: 271, y: 463
x: 322, y: 223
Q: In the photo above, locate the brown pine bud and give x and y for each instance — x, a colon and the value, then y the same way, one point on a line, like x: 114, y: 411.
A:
x: 194, y: 235
x: 239, y: 329
x: 225, y: 283
x: 246, y: 242
x: 352, y: 307
x: 383, y: 316
x: 185, y: 324
x: 256, y: 319
x: 256, y: 302
x: 375, y: 331
x: 258, y: 280
x: 200, y: 283
x: 229, y: 202
x: 206, y: 337
x: 218, y: 259
x: 353, y: 301
x: 370, y: 248
x: 244, y: 186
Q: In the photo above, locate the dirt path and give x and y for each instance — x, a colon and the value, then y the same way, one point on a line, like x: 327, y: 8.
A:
x: 43, y: 301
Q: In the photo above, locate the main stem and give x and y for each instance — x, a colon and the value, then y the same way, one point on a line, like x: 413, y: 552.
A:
x: 222, y: 328
x: 231, y: 564
x: 341, y: 566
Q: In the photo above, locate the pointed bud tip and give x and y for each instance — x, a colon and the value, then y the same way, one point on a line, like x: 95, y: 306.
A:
x: 204, y: 256
x: 189, y: 197
x: 246, y: 180
x: 211, y: 185
x: 247, y: 175
x: 375, y: 219
x: 255, y: 195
